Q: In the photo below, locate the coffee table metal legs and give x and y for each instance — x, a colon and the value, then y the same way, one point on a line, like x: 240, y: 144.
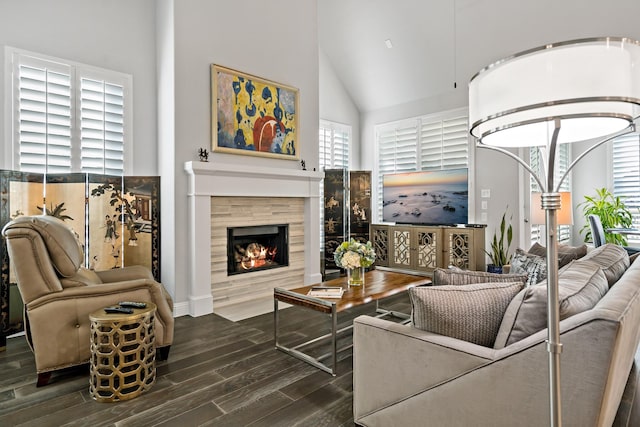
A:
x: 333, y: 336
x: 315, y: 361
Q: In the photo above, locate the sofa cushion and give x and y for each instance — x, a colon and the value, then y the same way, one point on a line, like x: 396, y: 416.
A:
x: 534, y: 266
x: 580, y: 287
x: 566, y: 253
x: 83, y: 277
x: 468, y: 312
x: 613, y: 259
x: 442, y: 276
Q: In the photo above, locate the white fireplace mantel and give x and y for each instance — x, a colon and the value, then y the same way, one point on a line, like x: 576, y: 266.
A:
x: 214, y: 179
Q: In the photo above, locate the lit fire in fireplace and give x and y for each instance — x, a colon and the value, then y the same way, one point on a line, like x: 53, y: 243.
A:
x: 255, y: 256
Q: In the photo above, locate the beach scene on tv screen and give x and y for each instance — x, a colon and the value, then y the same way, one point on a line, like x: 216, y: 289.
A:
x: 433, y: 197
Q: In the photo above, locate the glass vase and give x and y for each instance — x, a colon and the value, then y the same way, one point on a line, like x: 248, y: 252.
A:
x: 355, y: 276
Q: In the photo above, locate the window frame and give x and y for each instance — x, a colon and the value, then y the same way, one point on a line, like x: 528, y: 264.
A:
x: 14, y: 57
x: 418, y: 122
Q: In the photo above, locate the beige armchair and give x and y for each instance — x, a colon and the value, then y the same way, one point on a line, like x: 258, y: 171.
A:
x: 59, y: 294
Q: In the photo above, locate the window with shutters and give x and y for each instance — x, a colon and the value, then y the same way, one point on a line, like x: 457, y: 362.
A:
x: 68, y: 117
x: 626, y: 175
x: 422, y: 143
x: 563, y: 159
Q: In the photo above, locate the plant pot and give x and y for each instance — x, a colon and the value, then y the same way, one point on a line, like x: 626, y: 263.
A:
x: 494, y: 268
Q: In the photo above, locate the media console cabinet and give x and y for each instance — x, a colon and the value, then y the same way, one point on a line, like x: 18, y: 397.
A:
x: 422, y: 249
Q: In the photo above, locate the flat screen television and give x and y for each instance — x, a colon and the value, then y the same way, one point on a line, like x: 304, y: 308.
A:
x: 428, y: 197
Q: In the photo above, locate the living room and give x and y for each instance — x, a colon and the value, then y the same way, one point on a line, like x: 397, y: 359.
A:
x: 168, y: 47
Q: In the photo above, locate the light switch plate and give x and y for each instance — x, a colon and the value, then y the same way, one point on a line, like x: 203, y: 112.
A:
x: 485, y: 192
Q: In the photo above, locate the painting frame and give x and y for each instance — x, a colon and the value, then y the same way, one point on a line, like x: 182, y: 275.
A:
x: 253, y: 116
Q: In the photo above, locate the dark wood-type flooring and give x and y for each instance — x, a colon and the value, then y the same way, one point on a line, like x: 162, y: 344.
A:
x: 219, y: 373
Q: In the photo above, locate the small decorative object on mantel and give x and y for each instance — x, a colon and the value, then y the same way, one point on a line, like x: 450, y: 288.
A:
x: 354, y: 257
x: 204, y: 155
x: 304, y: 165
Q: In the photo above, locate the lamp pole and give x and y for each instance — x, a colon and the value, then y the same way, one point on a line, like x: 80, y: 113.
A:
x: 551, y: 203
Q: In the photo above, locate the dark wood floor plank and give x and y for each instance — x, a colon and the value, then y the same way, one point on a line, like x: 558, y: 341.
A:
x: 302, y: 408
x: 251, y: 411
x: 219, y: 373
x: 34, y: 414
x: 331, y: 416
x: 192, y: 417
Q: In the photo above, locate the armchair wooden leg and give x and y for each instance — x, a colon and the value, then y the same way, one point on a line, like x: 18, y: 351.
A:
x: 43, y: 379
x: 162, y: 353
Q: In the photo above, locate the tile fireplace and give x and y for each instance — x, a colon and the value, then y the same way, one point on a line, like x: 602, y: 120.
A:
x: 217, y: 193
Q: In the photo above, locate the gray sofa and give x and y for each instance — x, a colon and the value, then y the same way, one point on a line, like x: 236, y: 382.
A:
x: 404, y: 376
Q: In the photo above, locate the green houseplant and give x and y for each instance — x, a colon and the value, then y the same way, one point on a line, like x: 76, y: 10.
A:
x: 612, y: 212
x: 500, y: 245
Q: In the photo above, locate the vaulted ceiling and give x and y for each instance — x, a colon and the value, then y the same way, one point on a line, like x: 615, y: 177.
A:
x: 421, y: 64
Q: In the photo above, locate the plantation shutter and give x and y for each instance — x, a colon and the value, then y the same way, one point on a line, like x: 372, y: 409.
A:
x: 421, y: 143
x: 626, y: 173
x: 102, y: 127
x: 44, y: 118
x: 68, y: 117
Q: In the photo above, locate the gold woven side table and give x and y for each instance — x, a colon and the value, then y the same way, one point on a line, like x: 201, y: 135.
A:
x: 123, y: 354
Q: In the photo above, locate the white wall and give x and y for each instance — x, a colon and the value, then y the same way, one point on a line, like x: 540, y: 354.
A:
x: 337, y: 106
x: 276, y: 41
x: 118, y: 35
x: 493, y: 29
x: 169, y: 61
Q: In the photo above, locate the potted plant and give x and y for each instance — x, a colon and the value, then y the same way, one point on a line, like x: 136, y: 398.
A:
x: 612, y: 212
x: 500, y: 245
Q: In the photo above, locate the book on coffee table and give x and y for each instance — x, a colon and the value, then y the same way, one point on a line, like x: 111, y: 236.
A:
x: 326, y: 292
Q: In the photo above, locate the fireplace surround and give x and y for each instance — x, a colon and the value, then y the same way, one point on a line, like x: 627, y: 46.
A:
x: 208, y: 180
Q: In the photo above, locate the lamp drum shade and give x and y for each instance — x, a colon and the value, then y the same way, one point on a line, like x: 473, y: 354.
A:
x: 564, y: 214
x: 591, y: 85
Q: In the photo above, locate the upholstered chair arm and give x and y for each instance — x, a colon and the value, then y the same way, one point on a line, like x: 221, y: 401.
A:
x: 404, y: 376
x: 132, y: 272
x: 69, y: 310
x: 393, y: 361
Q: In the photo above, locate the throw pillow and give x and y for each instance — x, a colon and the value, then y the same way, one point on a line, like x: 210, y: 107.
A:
x: 458, y: 277
x: 534, y: 266
x: 471, y: 313
x: 566, y: 253
x: 580, y: 287
x: 613, y: 259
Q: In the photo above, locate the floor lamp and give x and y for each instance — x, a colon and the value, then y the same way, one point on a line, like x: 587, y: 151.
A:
x: 558, y: 93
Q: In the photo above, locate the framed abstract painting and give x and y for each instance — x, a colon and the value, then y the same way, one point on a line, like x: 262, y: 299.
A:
x: 253, y: 116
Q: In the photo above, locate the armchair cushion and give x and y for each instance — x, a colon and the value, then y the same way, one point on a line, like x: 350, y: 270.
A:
x: 468, y: 312
x: 580, y: 287
x: 455, y: 276
x: 83, y: 277
x: 60, y: 240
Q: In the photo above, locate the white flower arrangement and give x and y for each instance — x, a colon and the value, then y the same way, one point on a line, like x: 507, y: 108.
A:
x: 353, y: 254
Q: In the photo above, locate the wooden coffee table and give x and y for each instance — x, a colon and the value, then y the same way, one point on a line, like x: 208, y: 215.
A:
x: 379, y: 284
